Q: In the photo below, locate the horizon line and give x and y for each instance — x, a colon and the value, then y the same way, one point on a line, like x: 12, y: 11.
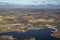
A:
x: 28, y: 3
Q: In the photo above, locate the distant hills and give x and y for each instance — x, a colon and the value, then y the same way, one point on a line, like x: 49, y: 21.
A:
x: 17, y: 6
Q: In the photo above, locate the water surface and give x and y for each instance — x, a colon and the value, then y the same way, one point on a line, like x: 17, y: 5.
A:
x: 41, y: 34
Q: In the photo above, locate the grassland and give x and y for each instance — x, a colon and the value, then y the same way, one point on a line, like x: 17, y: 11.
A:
x: 23, y: 21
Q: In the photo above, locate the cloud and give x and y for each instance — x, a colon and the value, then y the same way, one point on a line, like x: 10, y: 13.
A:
x: 35, y: 2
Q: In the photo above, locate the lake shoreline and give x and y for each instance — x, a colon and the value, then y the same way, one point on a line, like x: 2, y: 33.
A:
x: 42, y: 33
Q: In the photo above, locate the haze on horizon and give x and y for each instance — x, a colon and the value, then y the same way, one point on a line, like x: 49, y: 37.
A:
x: 32, y: 1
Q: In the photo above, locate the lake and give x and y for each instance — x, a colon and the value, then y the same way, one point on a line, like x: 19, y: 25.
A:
x: 40, y: 34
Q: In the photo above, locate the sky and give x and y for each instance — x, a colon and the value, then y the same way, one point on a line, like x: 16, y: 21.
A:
x: 32, y: 1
